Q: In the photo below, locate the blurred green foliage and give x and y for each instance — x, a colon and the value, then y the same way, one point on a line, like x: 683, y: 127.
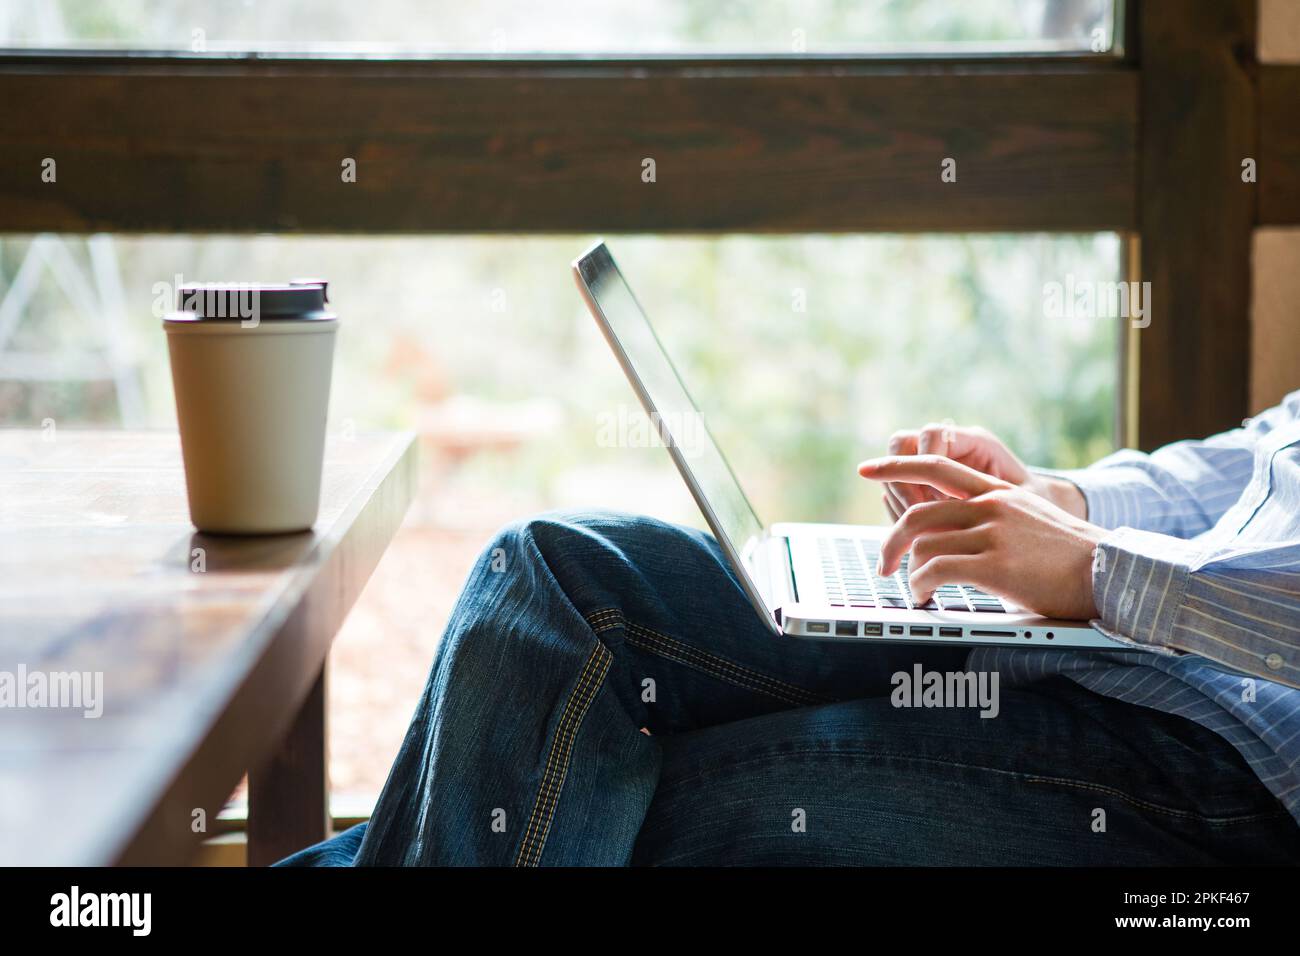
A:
x: 771, y: 26
x: 804, y: 352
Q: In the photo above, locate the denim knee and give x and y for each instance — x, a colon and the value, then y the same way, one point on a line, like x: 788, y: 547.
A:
x: 549, y: 532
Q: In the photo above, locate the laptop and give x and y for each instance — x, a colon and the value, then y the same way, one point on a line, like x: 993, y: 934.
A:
x: 814, y: 581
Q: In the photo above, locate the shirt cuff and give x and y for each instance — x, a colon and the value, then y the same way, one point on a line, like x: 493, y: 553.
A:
x: 1139, y: 580
x: 1113, y: 488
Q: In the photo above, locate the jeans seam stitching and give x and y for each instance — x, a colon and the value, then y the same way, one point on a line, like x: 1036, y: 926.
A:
x: 527, y: 850
x: 703, y: 666
x: 757, y: 675
x: 712, y: 664
x: 1154, y: 807
x: 534, y: 840
x: 711, y: 673
x: 722, y: 663
x: 569, y: 738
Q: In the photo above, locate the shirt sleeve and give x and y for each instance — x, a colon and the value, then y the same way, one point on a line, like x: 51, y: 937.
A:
x: 1163, y: 585
x: 1234, y: 605
x: 1181, y: 489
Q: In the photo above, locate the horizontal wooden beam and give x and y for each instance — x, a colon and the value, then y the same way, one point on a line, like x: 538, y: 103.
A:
x: 1279, y: 145
x: 192, y: 144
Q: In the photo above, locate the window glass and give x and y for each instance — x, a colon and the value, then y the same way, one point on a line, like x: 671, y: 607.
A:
x: 564, y: 26
x: 803, y: 353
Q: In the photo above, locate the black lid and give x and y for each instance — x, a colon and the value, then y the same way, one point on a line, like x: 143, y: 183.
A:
x: 237, y: 301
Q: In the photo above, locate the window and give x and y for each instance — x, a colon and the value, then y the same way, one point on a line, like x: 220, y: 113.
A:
x: 566, y: 26
x: 803, y: 352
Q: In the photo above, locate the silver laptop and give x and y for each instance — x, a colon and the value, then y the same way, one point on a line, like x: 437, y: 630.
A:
x: 805, y: 580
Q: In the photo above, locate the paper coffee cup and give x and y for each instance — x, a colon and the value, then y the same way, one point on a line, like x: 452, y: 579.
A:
x: 251, y: 370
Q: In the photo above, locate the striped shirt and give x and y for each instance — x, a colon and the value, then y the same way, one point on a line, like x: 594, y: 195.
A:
x: 1200, y: 573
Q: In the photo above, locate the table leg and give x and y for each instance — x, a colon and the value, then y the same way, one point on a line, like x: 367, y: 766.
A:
x: 288, y: 798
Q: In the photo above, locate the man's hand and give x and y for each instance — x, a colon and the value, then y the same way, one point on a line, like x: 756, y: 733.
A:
x: 976, y: 448
x: 991, y: 533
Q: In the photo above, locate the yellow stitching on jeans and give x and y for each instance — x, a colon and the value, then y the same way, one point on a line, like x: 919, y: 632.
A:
x: 721, y: 666
x: 603, y: 617
x: 716, y: 666
x: 722, y: 663
x: 565, y: 733
x: 604, y: 620
x: 1146, y: 805
x: 734, y: 681
x: 570, y: 736
x: 757, y: 675
x: 583, y: 676
x: 608, y: 618
x: 737, y: 680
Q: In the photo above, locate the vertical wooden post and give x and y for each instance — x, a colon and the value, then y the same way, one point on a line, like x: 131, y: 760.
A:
x: 288, y: 798
x: 1197, y: 123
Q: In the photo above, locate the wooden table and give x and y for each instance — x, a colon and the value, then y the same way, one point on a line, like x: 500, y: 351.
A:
x: 211, y: 649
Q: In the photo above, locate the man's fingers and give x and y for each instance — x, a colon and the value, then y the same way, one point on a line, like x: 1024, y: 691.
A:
x: 908, y: 494
x: 922, y: 519
x: 941, y: 440
x: 935, y: 544
x: 927, y: 578
x: 903, y: 443
x: 955, y: 441
x: 900, y: 497
x: 943, y: 474
x: 936, y: 440
x: 895, y: 493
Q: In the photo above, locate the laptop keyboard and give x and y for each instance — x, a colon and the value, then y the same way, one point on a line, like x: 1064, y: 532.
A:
x: 849, y: 570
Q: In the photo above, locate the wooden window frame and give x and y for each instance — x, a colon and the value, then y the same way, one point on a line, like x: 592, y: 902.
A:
x: 1148, y: 143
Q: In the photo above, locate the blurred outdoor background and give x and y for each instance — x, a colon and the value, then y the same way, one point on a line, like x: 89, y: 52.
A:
x: 803, y: 352
x: 563, y: 26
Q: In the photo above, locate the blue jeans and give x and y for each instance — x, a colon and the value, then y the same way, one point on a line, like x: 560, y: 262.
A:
x: 575, y: 631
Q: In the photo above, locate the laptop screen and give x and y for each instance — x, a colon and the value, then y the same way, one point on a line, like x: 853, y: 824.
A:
x: 672, y: 411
